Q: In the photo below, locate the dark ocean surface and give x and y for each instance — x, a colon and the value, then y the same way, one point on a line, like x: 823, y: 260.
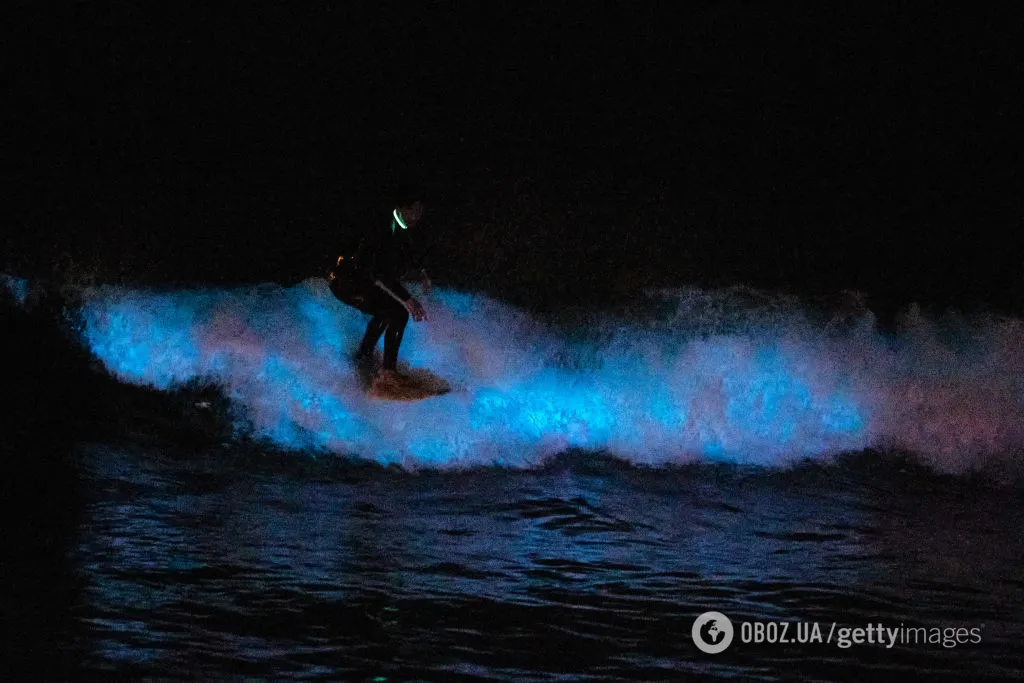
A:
x: 239, y: 562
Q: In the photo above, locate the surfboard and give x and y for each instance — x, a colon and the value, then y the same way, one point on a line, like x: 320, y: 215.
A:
x: 417, y: 385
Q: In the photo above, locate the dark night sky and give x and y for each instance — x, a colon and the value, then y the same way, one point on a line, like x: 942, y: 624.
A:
x: 807, y: 148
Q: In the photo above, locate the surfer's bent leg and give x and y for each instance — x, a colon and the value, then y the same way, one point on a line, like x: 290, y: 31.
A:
x: 397, y: 317
x: 389, y: 319
x: 374, y: 330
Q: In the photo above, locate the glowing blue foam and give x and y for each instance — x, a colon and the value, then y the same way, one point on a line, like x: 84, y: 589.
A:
x: 762, y: 390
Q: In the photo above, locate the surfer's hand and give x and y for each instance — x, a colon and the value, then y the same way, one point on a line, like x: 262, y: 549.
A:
x: 415, y: 309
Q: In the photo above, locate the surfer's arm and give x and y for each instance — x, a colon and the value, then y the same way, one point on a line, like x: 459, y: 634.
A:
x: 402, y: 296
x: 420, y: 275
x: 414, y: 259
x: 393, y: 287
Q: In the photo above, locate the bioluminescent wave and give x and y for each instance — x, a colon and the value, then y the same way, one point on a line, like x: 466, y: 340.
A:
x: 701, y: 382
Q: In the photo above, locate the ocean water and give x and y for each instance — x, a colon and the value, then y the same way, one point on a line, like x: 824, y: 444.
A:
x: 222, y: 563
x: 593, y: 486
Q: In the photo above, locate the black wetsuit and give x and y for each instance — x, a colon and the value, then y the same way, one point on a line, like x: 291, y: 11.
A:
x: 383, y: 256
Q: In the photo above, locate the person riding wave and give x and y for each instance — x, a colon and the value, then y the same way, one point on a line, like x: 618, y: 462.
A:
x: 370, y: 280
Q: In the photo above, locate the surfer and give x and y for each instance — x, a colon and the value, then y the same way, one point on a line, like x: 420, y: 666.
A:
x: 369, y: 280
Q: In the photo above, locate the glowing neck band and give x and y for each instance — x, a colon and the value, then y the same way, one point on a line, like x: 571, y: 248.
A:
x: 399, y: 220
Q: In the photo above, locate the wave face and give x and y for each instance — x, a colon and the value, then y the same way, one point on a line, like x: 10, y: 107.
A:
x: 724, y: 376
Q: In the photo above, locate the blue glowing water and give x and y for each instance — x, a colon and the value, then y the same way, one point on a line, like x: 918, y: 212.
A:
x: 711, y: 380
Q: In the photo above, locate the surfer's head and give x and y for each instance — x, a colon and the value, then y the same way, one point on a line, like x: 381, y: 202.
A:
x: 411, y: 213
x: 408, y: 205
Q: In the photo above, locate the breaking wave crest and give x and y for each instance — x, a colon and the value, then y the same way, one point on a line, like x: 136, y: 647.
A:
x: 689, y: 375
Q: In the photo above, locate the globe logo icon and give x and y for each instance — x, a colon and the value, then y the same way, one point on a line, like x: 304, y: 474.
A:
x: 712, y: 632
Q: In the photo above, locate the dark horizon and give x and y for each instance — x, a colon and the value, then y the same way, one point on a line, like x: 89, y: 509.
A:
x: 563, y: 156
